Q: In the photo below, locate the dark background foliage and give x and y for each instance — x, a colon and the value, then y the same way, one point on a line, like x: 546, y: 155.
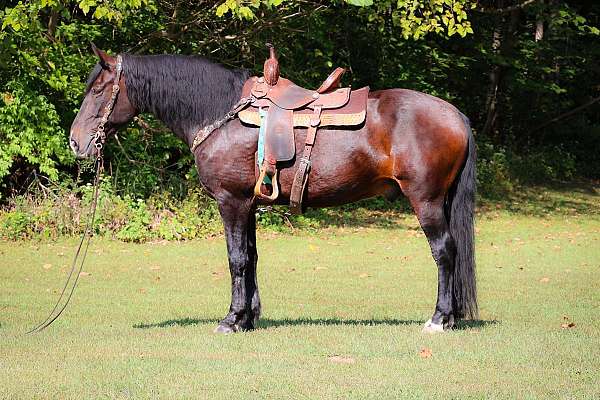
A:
x: 528, y: 77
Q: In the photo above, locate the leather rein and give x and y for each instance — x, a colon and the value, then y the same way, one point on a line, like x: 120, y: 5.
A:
x: 99, y: 138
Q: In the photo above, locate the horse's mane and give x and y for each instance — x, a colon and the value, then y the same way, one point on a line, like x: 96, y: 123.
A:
x: 92, y: 77
x: 185, y: 92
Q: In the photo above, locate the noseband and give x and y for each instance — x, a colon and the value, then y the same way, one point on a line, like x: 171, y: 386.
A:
x: 99, y: 136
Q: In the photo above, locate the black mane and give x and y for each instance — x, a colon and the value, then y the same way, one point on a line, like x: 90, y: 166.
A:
x: 92, y: 77
x: 185, y: 92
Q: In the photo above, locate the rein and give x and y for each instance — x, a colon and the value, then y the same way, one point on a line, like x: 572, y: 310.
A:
x: 99, y: 137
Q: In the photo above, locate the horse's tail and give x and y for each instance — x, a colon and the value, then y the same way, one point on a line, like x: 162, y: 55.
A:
x: 461, y: 207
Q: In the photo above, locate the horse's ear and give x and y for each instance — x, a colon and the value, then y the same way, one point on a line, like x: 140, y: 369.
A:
x: 105, y: 59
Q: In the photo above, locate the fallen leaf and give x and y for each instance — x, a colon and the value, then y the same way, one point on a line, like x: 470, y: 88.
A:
x: 320, y: 268
x: 157, y: 278
x: 83, y: 273
x: 155, y: 268
x: 425, y: 353
x: 142, y: 290
x: 363, y: 275
x: 341, y: 359
x: 545, y: 280
x: 217, y: 274
x: 47, y: 266
x: 567, y: 325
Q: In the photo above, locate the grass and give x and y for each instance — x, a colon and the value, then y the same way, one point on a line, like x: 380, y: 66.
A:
x: 343, y: 311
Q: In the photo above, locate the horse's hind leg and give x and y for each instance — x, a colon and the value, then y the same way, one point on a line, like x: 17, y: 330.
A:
x: 433, y: 220
x: 251, y: 275
x: 239, y: 222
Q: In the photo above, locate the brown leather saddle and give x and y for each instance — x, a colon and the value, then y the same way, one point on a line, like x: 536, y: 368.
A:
x: 288, y: 105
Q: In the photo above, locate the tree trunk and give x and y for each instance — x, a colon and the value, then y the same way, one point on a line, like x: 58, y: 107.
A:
x: 503, y: 43
x: 53, y: 22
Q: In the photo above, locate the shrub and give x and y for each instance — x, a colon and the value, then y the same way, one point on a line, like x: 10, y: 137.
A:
x: 493, y: 173
x: 544, y: 164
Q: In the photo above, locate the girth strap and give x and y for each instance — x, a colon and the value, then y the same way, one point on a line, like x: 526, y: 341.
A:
x: 301, y: 176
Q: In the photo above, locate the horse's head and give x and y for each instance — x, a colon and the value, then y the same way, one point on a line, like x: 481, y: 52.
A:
x: 104, y: 108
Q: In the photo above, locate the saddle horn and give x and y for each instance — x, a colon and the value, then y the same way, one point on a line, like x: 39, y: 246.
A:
x: 271, y: 68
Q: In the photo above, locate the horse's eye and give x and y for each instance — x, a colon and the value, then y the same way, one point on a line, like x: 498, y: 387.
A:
x: 95, y: 90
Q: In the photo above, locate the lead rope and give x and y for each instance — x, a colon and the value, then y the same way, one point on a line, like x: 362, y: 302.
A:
x: 58, y: 309
x: 99, y: 137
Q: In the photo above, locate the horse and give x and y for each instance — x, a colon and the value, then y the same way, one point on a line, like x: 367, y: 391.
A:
x: 410, y: 144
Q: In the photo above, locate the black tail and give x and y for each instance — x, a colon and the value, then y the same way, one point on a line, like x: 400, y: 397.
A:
x: 461, y: 201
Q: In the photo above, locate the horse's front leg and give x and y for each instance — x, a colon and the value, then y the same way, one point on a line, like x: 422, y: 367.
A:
x: 240, y: 232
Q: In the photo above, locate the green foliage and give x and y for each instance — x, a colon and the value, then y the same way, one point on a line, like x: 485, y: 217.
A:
x: 544, y: 164
x: 136, y: 227
x: 418, y: 18
x: 64, y: 211
x: 494, y: 179
x: 28, y: 123
x: 415, y: 18
x: 40, y: 77
x: 44, y: 60
x: 14, y: 225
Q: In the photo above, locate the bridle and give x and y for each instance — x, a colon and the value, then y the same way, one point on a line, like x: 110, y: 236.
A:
x: 99, y: 137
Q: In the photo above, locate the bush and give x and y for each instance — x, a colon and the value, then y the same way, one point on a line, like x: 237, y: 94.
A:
x: 544, y: 164
x: 64, y: 211
x: 493, y: 173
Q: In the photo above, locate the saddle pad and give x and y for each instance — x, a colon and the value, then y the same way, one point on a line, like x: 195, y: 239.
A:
x: 353, y: 113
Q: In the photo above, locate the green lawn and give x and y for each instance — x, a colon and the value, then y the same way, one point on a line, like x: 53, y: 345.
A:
x: 343, y: 311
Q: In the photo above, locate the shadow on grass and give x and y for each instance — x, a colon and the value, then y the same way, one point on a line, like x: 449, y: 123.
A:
x: 267, y: 323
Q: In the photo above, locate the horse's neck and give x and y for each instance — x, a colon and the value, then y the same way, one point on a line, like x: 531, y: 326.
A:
x: 184, y: 99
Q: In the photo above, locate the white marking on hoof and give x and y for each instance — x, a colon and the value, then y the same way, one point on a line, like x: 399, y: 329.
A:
x: 430, y: 327
x: 224, y: 330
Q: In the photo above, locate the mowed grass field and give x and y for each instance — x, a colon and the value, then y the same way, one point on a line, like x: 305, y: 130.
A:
x: 343, y: 312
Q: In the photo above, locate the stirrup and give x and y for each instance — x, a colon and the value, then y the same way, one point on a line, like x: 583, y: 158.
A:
x: 257, y: 188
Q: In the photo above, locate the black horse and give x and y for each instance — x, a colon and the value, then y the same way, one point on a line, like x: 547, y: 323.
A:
x: 411, y: 143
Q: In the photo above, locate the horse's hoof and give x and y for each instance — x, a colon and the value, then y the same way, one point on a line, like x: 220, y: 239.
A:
x: 224, y: 329
x: 430, y: 327
x: 449, y: 325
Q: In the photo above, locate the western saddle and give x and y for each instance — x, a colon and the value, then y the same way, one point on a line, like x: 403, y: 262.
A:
x: 279, y: 106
